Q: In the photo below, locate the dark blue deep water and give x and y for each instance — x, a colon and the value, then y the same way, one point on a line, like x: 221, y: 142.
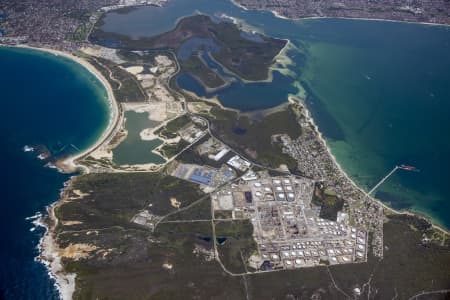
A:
x: 46, y: 100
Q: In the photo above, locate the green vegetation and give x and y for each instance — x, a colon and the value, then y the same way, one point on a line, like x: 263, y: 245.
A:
x: 191, y: 156
x: 145, y: 58
x: 330, y: 204
x: 170, y: 150
x: 199, y: 211
x: 104, y: 162
x: 129, y: 260
x: 408, y: 267
x: 178, y: 123
x: 79, y: 14
x: 169, y: 131
x: 125, y: 86
x: 248, y: 59
x: 223, y: 214
x: 164, y: 133
x: 137, y: 270
x: 196, y: 67
x: 238, y: 246
x: 81, y: 33
x: 434, y: 238
x: 128, y: 257
x: 253, y: 138
x: 113, y: 199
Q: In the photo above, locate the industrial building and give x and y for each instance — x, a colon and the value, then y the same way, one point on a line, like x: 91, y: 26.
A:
x: 287, y: 227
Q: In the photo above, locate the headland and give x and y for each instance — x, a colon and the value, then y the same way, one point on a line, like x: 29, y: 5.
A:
x: 230, y: 181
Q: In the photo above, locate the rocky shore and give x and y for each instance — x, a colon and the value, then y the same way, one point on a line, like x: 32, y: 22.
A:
x: 50, y: 253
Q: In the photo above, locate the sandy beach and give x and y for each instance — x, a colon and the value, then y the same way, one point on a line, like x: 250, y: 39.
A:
x: 365, y: 19
x: 343, y: 173
x: 48, y: 248
x: 69, y: 165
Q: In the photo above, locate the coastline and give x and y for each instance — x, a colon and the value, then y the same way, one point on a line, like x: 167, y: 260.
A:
x: 389, y: 209
x: 69, y: 165
x: 48, y: 249
x: 278, y: 15
x: 309, y: 118
x: 49, y: 254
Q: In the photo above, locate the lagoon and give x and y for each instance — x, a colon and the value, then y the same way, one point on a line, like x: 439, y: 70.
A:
x: 133, y: 150
x: 379, y: 92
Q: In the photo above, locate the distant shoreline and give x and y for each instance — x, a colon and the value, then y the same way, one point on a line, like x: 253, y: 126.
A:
x: 49, y: 246
x: 341, y: 170
x: 278, y: 15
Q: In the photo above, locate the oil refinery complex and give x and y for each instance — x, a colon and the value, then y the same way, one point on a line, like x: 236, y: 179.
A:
x: 287, y: 227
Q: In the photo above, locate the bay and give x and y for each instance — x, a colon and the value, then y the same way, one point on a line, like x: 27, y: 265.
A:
x: 47, y: 101
x: 379, y: 92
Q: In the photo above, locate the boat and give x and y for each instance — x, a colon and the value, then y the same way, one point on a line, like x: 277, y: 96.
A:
x: 408, y: 168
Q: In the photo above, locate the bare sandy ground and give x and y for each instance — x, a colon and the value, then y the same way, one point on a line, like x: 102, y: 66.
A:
x: 107, y: 53
x: 156, y: 110
x: 135, y: 69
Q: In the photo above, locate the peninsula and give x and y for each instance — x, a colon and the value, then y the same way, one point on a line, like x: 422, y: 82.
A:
x: 247, y: 58
x: 212, y: 202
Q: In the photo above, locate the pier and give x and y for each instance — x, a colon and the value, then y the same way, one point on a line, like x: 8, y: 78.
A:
x: 383, y: 180
x: 403, y: 167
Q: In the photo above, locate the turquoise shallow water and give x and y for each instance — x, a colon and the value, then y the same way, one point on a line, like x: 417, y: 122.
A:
x: 49, y: 101
x: 387, y: 88
x: 133, y: 150
x: 379, y: 91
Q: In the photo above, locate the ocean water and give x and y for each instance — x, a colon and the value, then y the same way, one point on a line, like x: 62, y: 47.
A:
x: 386, y: 89
x: 379, y: 92
x: 50, y: 101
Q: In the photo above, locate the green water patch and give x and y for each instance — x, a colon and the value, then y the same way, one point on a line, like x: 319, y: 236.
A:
x: 133, y: 150
x: 388, y: 94
x: 379, y: 92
